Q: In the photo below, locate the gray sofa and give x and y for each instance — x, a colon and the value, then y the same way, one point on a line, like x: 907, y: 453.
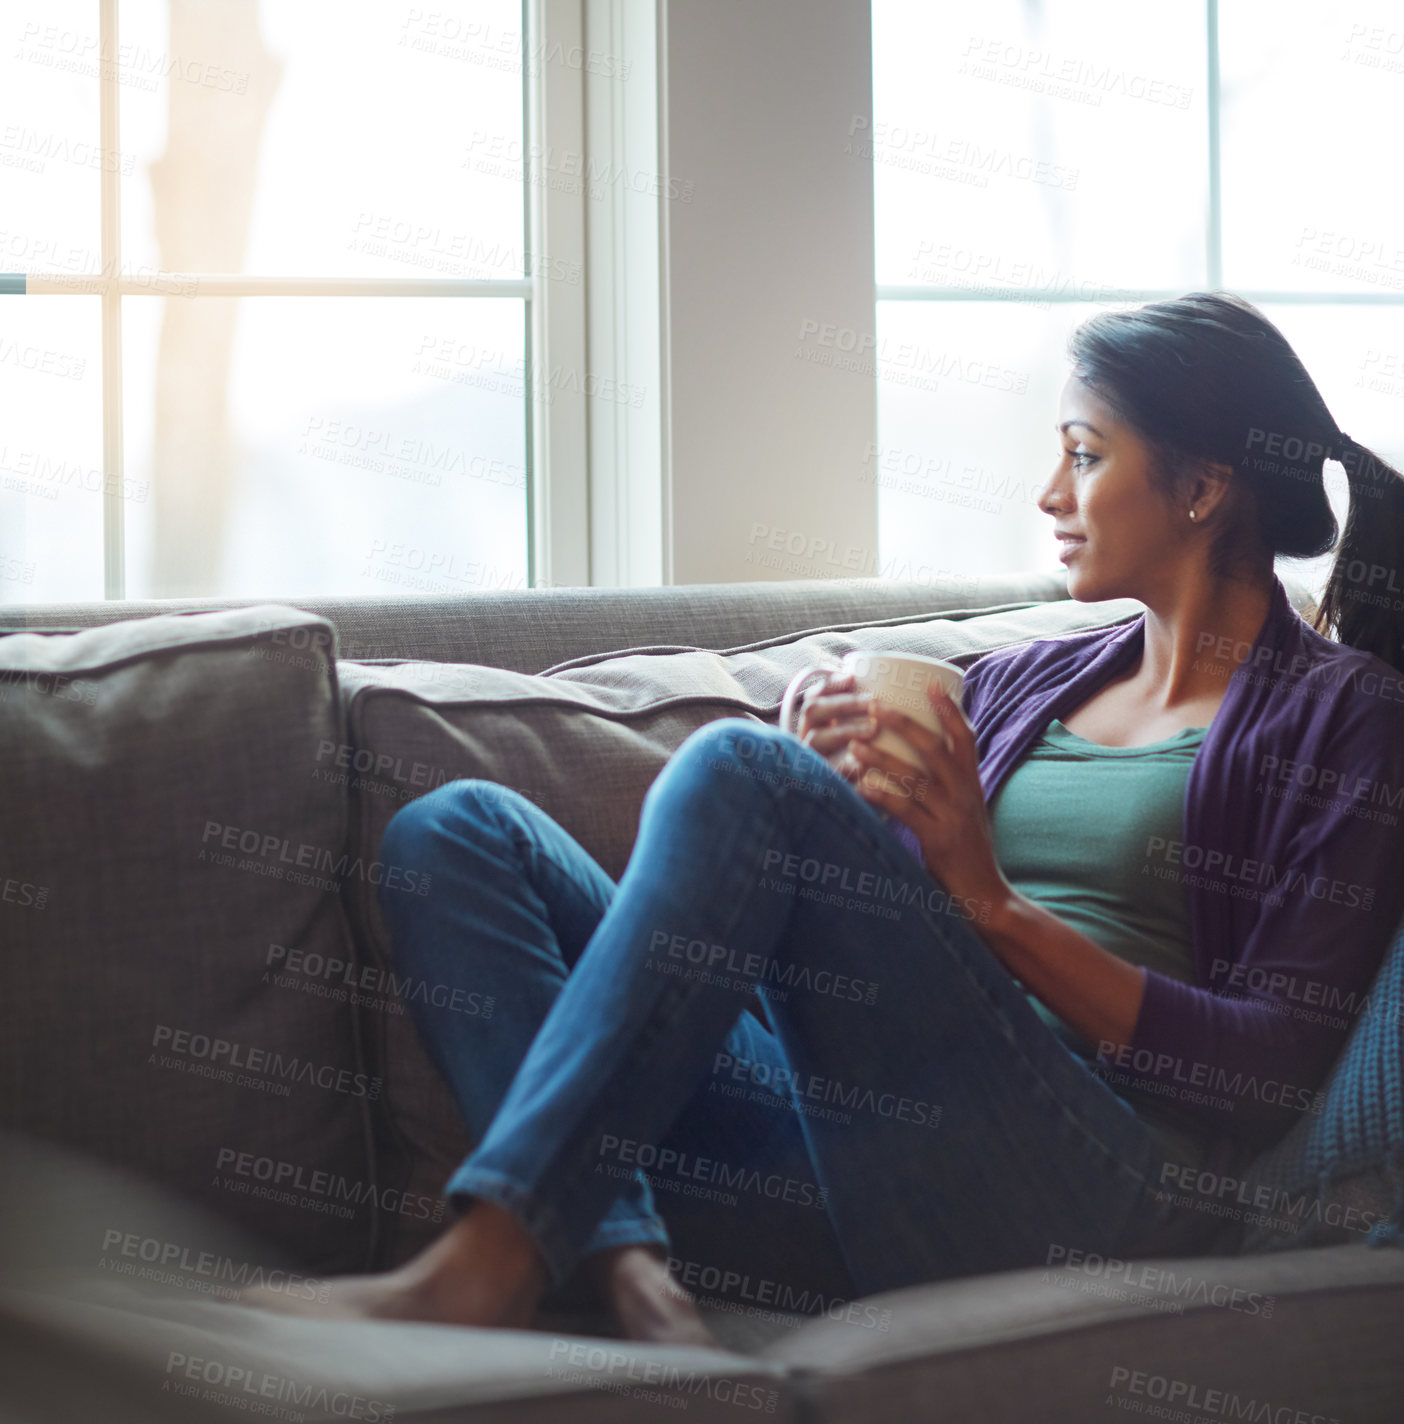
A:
x: 210, y: 1077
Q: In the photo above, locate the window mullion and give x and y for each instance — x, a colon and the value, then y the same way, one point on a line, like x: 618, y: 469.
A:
x: 114, y: 555
x: 557, y: 175
x: 1214, y: 234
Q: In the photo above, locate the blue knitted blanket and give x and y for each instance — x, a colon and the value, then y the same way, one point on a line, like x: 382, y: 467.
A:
x: 1353, y: 1150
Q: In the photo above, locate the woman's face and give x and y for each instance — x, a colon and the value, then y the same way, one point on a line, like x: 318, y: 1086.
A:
x: 1100, y: 495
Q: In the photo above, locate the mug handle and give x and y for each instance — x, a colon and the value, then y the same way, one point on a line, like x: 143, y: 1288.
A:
x: 794, y: 691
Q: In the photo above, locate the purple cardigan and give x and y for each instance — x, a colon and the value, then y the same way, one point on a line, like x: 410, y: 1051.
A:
x: 1291, y: 854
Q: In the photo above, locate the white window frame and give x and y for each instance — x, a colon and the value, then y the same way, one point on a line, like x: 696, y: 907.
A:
x: 625, y: 242
x: 558, y: 547
x: 557, y: 493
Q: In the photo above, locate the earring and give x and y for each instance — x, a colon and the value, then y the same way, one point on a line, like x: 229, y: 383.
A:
x: 1191, y: 514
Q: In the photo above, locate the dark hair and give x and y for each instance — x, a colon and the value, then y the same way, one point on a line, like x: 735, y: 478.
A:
x: 1207, y: 378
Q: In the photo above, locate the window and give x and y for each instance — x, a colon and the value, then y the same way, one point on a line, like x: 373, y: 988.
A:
x: 273, y: 297
x: 1035, y: 161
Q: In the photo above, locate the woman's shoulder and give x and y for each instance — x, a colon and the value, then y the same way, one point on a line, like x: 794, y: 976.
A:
x: 1317, y: 707
x: 1352, y: 669
x: 1034, y: 666
x: 1055, y: 652
x: 1333, y: 683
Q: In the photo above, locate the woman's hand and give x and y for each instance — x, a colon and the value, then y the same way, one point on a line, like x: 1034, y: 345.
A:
x: 1088, y: 987
x: 833, y: 714
x: 942, y: 802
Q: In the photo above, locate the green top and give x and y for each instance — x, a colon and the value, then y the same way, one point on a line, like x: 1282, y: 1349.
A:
x: 1075, y: 844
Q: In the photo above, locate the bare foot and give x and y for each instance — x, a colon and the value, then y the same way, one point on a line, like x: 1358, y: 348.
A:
x: 647, y: 1302
x: 484, y: 1270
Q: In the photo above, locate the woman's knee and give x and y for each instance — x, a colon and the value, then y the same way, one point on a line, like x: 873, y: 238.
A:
x: 452, y: 816
x: 757, y: 751
x: 426, y: 840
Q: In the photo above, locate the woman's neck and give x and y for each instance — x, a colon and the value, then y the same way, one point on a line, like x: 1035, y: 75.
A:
x: 1196, y: 637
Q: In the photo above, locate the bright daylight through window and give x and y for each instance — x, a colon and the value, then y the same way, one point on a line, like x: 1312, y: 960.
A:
x: 275, y: 289
x: 1032, y: 161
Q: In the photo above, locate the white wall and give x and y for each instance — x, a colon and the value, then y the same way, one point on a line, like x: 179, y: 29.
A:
x: 772, y: 246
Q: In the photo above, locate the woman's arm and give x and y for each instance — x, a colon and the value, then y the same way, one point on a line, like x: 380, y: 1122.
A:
x: 1248, y: 1049
x: 1088, y: 987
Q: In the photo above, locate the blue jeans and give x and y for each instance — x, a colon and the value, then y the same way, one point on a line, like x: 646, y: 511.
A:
x: 904, y: 1116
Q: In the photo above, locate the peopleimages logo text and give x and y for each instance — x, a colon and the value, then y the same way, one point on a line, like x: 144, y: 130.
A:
x: 222, y: 1383
x: 1317, y: 993
x: 283, y: 1179
x: 1169, y: 1067
x: 372, y: 986
x: 1186, y: 1399
x: 1257, y: 661
x: 266, y: 1062
x: 272, y: 848
x: 1268, y: 1204
x: 168, y: 1262
x: 718, y: 959
x: 1257, y: 873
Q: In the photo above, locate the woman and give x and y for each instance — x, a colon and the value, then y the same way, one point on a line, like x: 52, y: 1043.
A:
x: 1097, y: 989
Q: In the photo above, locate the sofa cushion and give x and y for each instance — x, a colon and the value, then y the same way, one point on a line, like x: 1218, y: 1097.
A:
x: 166, y: 839
x: 1297, y: 1335
x: 90, y: 1331
x: 1306, y: 1336
x: 584, y: 740
x: 1338, y: 1176
x: 156, y: 1359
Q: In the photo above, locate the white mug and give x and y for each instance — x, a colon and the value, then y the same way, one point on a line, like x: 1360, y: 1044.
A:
x: 897, y: 680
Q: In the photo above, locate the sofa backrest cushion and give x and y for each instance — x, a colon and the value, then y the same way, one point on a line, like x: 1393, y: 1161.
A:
x: 584, y: 741
x: 462, y: 615
x: 165, y: 834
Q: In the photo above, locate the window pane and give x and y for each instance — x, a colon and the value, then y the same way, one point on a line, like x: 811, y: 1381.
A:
x: 324, y: 137
x: 1312, y: 101
x: 967, y: 402
x: 325, y: 445
x: 51, y: 479
x: 1040, y: 145
x: 50, y: 158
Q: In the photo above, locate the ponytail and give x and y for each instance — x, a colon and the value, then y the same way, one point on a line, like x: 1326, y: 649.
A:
x: 1363, y: 605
